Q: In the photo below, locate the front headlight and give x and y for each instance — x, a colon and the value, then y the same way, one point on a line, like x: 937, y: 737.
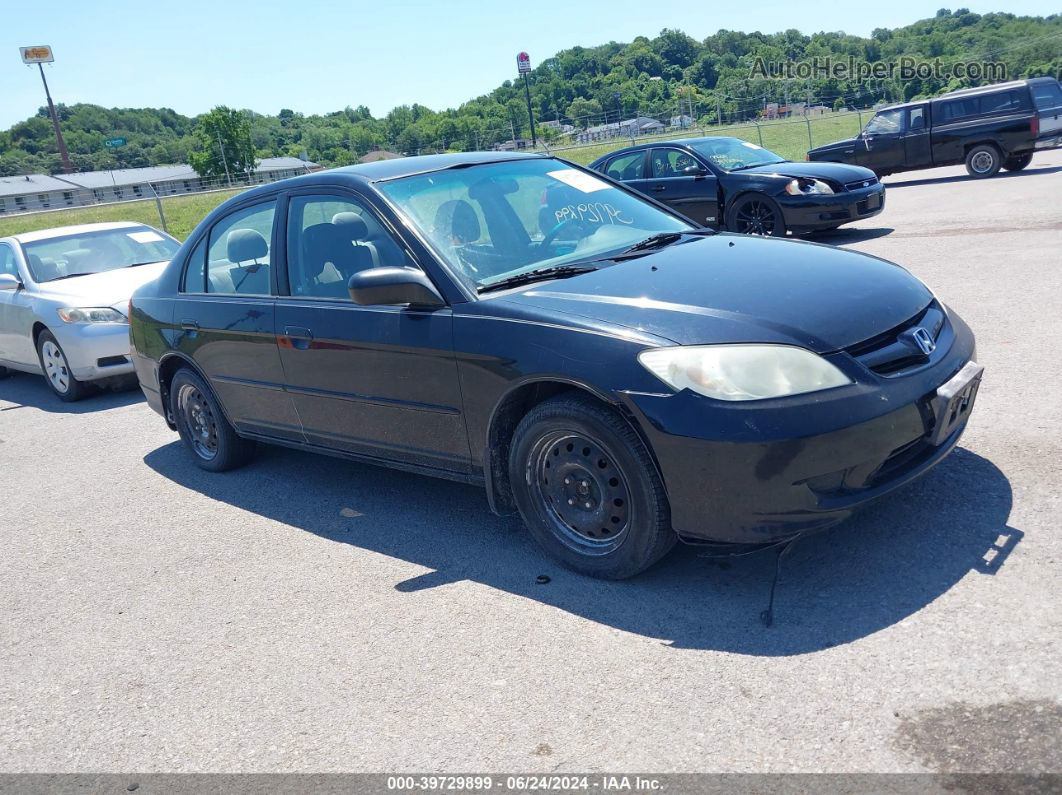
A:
x: 742, y: 372
x: 91, y: 314
x: 807, y: 187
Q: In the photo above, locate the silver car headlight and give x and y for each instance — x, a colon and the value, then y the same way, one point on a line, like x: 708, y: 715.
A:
x: 742, y: 372
x: 91, y: 314
x: 808, y: 187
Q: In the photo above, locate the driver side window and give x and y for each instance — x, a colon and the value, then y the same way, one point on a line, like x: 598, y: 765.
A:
x: 888, y: 121
x: 7, y: 261
x: 671, y: 163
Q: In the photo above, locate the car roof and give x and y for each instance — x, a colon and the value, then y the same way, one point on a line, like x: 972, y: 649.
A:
x: 383, y: 170
x: 63, y: 231
x: 671, y: 142
x: 969, y: 92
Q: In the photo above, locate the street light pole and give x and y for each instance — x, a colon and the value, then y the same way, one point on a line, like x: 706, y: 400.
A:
x: 530, y: 113
x: 67, y: 168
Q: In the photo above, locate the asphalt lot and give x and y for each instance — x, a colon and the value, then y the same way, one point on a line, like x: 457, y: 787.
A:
x: 308, y: 614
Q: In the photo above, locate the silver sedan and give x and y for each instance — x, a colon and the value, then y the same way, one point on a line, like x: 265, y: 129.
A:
x: 64, y: 294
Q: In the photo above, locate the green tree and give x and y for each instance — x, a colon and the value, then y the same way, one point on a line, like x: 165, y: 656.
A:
x: 222, y: 138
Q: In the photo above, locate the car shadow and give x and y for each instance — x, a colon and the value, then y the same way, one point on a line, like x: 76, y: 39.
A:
x: 875, y: 570
x: 26, y: 390
x: 847, y: 235
x: 1030, y: 171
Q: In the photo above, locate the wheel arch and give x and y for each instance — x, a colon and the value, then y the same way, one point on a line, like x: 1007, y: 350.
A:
x: 984, y: 142
x: 169, y: 364
x: 506, y: 415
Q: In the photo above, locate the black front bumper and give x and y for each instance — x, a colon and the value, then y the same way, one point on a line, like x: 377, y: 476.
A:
x: 759, y: 472
x: 808, y: 213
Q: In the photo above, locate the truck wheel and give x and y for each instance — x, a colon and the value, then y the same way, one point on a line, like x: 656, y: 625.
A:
x: 1017, y: 162
x: 983, y: 161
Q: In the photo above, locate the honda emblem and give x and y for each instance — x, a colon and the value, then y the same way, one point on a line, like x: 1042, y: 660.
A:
x: 924, y: 340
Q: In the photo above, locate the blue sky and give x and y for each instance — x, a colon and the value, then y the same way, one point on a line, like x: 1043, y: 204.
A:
x: 321, y: 55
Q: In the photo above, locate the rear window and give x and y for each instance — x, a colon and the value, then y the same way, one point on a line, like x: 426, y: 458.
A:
x: 958, y: 109
x: 995, y: 103
x: 1046, y: 95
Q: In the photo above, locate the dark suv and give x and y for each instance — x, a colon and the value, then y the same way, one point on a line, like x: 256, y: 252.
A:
x: 987, y: 128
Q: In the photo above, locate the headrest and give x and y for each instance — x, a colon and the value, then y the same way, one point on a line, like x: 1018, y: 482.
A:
x: 245, y: 244
x: 44, y: 268
x: 457, y: 220
x: 353, y: 225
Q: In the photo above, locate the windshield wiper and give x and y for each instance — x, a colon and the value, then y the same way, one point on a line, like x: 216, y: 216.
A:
x: 72, y: 275
x: 654, y: 241
x: 537, y: 275
x: 149, y: 262
x: 757, y: 165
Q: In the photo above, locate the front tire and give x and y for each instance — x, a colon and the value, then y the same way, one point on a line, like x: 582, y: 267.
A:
x: 756, y: 215
x: 214, y: 444
x: 1017, y: 162
x: 57, y: 371
x: 983, y: 161
x: 588, y: 490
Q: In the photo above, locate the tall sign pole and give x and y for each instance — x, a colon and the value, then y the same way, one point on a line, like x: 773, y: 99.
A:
x: 40, y: 56
x: 523, y: 65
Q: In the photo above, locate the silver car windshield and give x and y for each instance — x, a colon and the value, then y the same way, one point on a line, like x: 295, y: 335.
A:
x: 497, y: 220
x: 96, y: 251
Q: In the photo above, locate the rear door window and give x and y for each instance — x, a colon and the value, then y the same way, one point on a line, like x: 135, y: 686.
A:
x: 916, y: 119
x: 238, y: 254
x: 626, y: 167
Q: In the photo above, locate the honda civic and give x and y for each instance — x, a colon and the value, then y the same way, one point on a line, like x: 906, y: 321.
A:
x: 618, y: 376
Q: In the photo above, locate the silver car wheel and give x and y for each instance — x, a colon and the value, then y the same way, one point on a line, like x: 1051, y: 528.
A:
x: 55, y: 367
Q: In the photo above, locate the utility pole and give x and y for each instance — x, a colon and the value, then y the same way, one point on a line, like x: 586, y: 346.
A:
x: 224, y: 161
x: 523, y: 66
x: 718, y: 110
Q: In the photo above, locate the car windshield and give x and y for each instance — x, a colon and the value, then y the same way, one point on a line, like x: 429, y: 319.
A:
x: 497, y: 220
x: 97, y: 251
x: 731, y: 154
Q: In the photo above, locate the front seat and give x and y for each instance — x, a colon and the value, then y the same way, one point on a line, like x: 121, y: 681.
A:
x: 456, y: 221
x: 357, y: 231
x: 44, y: 269
x: 329, y: 259
x: 248, y: 245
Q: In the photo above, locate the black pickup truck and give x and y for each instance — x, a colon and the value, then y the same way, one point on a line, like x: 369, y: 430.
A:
x: 987, y: 128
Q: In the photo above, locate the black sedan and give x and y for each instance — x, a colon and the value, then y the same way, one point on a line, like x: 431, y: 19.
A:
x: 733, y: 184
x: 615, y: 374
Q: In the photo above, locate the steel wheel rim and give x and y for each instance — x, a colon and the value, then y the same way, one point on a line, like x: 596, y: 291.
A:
x: 55, y: 367
x: 982, y: 162
x: 199, y: 421
x: 581, y: 490
x: 755, y: 218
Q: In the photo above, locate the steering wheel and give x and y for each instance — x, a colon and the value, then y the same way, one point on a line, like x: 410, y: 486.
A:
x: 551, y: 235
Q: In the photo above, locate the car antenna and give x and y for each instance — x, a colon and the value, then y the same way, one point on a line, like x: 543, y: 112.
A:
x: 767, y: 616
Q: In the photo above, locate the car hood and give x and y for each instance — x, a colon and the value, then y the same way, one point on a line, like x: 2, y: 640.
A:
x: 737, y: 288
x: 838, y: 172
x: 844, y: 143
x: 111, y: 288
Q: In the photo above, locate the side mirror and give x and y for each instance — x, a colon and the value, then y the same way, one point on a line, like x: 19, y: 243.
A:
x: 9, y: 282
x: 694, y: 171
x: 393, y: 286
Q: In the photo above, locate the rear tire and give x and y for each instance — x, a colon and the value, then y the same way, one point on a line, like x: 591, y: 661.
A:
x: 1017, y: 162
x: 56, y: 370
x: 983, y: 161
x: 588, y: 490
x: 215, y: 445
x: 756, y: 214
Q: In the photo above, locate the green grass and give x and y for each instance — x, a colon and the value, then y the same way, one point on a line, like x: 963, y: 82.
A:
x: 787, y: 138
x: 182, y: 214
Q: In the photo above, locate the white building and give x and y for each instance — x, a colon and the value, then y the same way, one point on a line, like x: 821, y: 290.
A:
x: 31, y: 192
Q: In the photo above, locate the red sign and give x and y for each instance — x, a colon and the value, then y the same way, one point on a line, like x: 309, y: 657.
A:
x: 523, y: 63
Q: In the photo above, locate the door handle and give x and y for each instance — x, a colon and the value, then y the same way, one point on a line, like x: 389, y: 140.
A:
x: 300, y: 337
x: 658, y: 188
x: 189, y: 325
